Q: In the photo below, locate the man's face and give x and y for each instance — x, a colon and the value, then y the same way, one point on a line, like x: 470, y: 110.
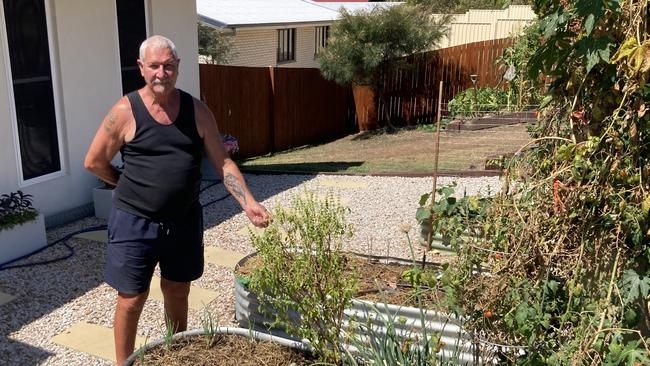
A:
x: 159, y: 69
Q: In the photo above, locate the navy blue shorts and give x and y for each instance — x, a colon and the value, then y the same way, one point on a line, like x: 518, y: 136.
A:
x: 137, y: 244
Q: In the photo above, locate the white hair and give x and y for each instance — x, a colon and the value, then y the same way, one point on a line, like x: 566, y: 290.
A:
x: 157, y: 42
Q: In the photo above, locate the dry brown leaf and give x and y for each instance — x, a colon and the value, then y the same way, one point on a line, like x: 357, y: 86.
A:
x: 642, y: 110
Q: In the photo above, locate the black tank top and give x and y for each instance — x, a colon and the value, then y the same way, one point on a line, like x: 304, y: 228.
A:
x: 162, y: 176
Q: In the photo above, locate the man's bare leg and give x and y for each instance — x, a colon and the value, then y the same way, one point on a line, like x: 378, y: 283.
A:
x: 125, y: 323
x: 176, y: 303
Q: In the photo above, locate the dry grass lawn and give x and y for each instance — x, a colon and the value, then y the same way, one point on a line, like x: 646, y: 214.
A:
x: 404, y: 151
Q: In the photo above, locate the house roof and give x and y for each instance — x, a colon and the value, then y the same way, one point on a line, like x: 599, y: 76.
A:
x: 256, y: 13
x: 250, y: 13
x: 355, y: 5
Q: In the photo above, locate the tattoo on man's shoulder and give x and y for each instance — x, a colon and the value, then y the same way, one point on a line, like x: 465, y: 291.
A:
x: 233, y: 185
x: 110, y: 122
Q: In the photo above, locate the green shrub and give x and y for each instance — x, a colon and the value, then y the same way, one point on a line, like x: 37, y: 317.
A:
x: 303, y: 271
x: 362, y: 41
x: 566, y: 243
x: 15, y: 209
x: 467, y: 103
x: 214, y: 44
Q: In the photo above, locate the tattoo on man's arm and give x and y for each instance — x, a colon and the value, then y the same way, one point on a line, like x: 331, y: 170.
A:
x: 110, y: 122
x: 233, y: 185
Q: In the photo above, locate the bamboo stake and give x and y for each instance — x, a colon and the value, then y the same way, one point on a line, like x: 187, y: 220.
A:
x: 437, y: 147
x: 436, y: 154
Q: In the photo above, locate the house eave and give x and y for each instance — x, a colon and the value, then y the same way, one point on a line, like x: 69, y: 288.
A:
x: 260, y: 26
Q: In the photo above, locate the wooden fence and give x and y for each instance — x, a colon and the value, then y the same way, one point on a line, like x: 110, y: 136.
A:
x: 274, y: 109
x: 409, y: 94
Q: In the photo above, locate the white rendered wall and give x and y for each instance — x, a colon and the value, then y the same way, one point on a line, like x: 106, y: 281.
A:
x: 177, y: 21
x: 8, y: 163
x: 88, y: 70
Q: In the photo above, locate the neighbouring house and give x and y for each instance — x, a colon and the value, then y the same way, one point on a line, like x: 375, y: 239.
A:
x: 485, y: 24
x: 280, y: 33
x: 291, y: 33
x: 63, y: 65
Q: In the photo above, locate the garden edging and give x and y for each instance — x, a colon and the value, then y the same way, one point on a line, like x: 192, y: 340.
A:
x: 222, y: 330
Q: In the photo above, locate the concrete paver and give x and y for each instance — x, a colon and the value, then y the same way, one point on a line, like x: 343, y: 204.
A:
x: 222, y: 257
x: 94, y: 339
x: 341, y: 183
x: 199, y: 297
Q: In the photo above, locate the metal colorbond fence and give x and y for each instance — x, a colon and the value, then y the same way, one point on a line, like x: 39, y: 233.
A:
x: 274, y: 109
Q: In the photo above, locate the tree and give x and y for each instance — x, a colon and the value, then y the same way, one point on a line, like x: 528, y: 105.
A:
x: 214, y: 44
x: 461, y: 6
x: 363, y: 41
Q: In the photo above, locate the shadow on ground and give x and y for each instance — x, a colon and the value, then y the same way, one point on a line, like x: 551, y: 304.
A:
x: 219, y: 206
x: 306, y: 168
x: 42, y: 289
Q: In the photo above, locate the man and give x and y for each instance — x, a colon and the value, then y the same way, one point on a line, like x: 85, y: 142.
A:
x: 157, y: 219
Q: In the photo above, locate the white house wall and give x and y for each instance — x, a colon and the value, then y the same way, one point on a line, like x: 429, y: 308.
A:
x: 305, y: 47
x: 89, y: 84
x: 177, y: 20
x: 8, y: 163
x: 258, y: 48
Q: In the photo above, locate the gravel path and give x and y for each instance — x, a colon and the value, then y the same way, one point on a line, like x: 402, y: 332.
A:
x: 52, y: 297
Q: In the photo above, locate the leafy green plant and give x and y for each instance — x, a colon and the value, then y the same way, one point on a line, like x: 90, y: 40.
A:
x: 214, y: 44
x: 15, y: 209
x: 565, y: 242
x: 210, y: 326
x: 304, y: 271
x: 141, y: 352
x: 168, y: 337
x: 448, y: 216
x: 470, y: 101
x: 432, y: 127
x: 382, y: 345
x: 522, y: 91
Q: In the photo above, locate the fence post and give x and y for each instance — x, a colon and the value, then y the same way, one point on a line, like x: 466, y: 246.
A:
x: 439, y: 104
x: 272, y: 109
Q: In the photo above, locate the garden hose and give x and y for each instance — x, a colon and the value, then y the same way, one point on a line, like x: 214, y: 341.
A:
x: 64, y: 240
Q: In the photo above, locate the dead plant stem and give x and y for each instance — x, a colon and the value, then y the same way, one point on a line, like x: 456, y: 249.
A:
x: 609, y: 293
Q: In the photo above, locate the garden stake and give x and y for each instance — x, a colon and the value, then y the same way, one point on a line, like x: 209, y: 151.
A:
x: 435, y: 173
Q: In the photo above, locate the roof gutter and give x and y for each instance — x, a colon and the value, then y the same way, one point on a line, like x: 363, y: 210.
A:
x: 259, y: 26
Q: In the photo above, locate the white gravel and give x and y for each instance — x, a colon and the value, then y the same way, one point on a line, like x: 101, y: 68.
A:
x: 52, y: 297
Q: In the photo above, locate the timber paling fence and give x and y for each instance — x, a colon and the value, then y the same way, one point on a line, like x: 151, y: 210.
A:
x: 270, y: 109
x: 409, y: 95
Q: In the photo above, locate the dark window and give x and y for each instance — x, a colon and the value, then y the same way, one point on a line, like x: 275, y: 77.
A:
x: 286, y: 44
x: 132, y: 31
x: 322, y: 36
x: 31, y: 74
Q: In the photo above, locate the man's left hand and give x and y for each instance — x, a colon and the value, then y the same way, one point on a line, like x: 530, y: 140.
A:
x: 258, y: 215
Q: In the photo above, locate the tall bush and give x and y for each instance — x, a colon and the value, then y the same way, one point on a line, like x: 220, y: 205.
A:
x: 361, y: 42
x: 304, y: 271
x: 561, y: 265
x: 523, y: 90
x: 214, y: 45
